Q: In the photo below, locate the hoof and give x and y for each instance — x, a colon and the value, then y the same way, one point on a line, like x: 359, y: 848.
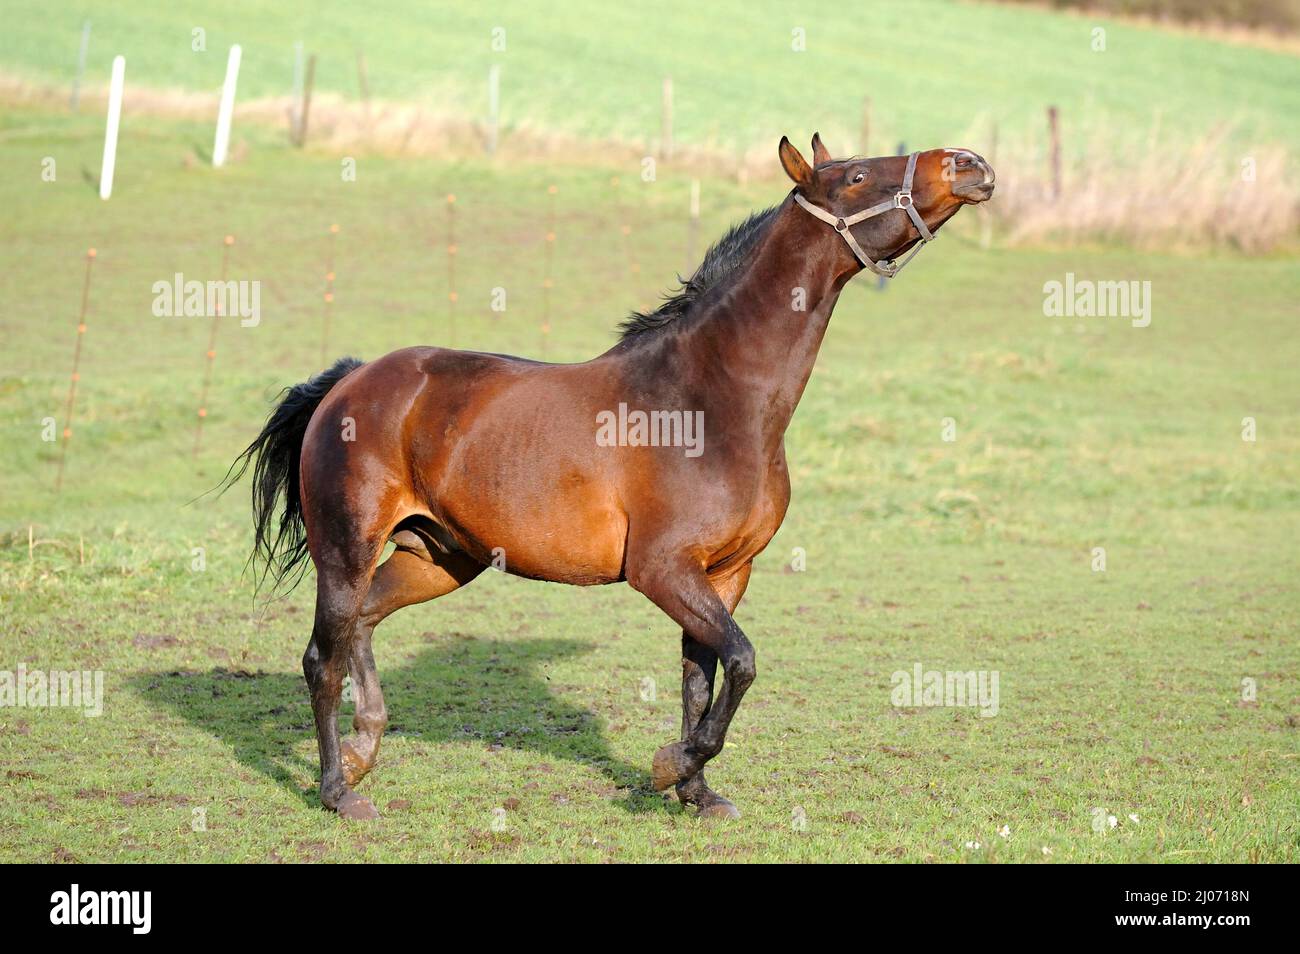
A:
x: 356, y: 808
x: 354, y: 767
x: 719, y: 808
x: 671, y: 765
x: 708, y: 803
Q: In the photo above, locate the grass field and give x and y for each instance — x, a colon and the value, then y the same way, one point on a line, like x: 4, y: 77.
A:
x: 1120, y: 690
x: 936, y: 71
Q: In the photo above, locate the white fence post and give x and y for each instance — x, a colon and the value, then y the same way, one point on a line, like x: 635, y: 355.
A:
x: 227, y: 110
x: 110, y: 131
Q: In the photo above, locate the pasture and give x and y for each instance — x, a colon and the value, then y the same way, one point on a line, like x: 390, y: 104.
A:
x: 936, y: 70
x: 524, y: 715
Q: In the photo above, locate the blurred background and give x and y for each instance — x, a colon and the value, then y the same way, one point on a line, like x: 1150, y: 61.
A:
x: 1154, y: 110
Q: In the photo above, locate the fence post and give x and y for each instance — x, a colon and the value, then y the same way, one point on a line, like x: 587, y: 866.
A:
x: 226, y: 112
x: 329, y: 298
x: 1054, y: 130
x: 494, y: 107
x: 306, y: 101
x: 295, y: 104
x: 548, y: 280
x: 625, y: 228
x: 363, y: 82
x: 110, y: 130
x: 693, y: 228
x: 81, y: 65
x: 451, y: 269
x: 76, y: 371
x: 211, y: 354
x: 666, y: 129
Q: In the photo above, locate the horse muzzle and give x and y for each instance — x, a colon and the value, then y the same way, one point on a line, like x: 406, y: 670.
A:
x: 975, y: 178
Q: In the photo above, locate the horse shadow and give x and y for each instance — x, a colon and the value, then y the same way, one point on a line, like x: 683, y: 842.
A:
x: 483, y: 692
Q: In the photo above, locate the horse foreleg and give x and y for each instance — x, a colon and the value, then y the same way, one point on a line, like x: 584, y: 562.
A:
x: 683, y: 591
x: 699, y: 665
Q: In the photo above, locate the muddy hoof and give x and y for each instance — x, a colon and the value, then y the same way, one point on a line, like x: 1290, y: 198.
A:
x: 719, y: 808
x: 671, y: 765
x: 354, y: 767
x: 356, y: 807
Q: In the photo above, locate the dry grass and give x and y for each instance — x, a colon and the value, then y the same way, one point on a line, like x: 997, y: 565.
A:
x: 1152, y: 192
x: 340, y: 125
x: 1149, y: 193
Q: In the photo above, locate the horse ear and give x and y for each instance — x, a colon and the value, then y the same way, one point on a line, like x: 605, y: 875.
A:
x: 820, y: 152
x: 795, y: 165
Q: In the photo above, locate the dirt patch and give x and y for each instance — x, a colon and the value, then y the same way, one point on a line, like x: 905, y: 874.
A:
x: 154, y: 641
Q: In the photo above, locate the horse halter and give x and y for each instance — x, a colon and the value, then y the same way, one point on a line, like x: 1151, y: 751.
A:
x: 902, y: 199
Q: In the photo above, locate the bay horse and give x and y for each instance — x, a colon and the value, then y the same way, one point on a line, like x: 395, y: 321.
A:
x: 464, y: 459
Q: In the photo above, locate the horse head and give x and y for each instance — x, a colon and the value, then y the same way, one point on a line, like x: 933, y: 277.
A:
x: 884, y: 206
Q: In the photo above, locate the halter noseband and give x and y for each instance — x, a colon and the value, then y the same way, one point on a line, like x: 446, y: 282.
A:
x: 902, y: 200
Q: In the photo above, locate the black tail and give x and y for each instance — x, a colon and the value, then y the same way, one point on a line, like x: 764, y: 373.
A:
x: 282, y: 549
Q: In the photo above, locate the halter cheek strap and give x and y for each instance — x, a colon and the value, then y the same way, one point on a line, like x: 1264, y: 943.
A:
x: 902, y: 200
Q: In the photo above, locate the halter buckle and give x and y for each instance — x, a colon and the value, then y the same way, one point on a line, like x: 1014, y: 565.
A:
x: 900, y: 196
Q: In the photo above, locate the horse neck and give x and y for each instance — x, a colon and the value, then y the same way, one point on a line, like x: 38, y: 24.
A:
x: 754, y: 336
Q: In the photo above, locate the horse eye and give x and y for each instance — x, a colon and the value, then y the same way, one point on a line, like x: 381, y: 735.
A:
x: 859, y: 177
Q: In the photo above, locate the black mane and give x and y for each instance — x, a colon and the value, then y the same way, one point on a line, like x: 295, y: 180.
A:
x: 721, y: 261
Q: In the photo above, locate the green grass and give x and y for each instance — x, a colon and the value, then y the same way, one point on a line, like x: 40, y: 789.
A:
x: 937, y: 72
x: 1119, y: 690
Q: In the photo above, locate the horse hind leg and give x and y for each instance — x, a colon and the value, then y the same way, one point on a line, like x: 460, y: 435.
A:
x: 340, y: 591
x: 360, y: 749
x: 414, y: 573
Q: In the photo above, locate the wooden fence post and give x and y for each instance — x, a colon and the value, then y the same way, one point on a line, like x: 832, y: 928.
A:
x: 363, y: 82
x: 329, y: 298
x: 306, y: 101
x: 547, y: 279
x: 666, y: 129
x: 76, y: 371
x: 211, y: 354
x: 451, y: 270
x: 494, y: 108
x: 693, y: 228
x: 295, y: 103
x: 1054, y: 131
x: 81, y: 65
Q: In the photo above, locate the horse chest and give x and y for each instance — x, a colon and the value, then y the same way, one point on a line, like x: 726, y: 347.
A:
x: 756, y: 520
